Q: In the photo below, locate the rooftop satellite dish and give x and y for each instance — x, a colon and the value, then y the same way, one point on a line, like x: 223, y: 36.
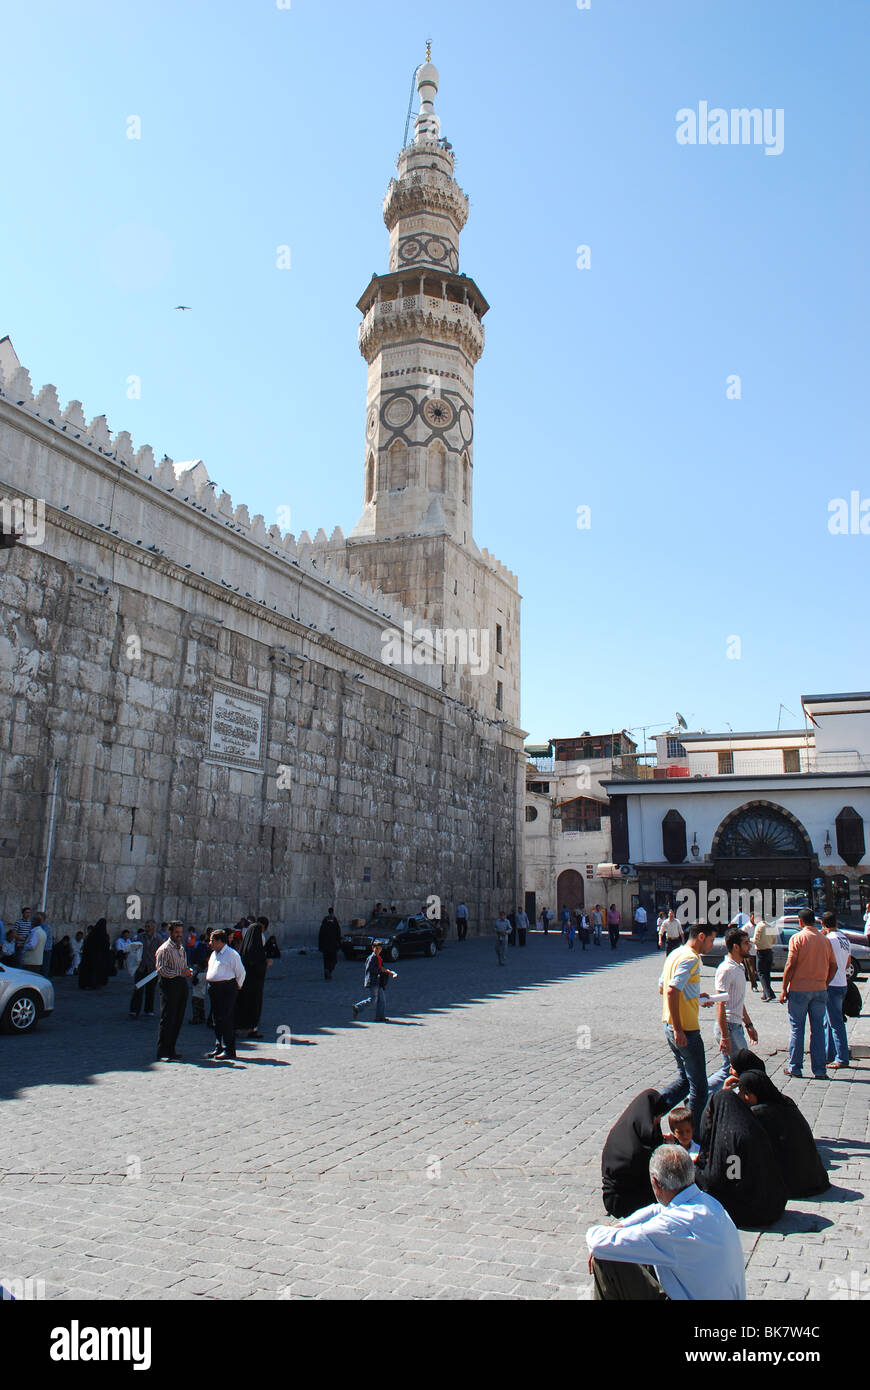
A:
x: 681, y: 723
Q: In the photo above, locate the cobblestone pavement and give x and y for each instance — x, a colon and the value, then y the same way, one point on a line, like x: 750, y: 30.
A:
x: 452, y: 1153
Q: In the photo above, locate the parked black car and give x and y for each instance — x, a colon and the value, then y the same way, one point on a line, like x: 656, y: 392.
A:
x: 403, y: 936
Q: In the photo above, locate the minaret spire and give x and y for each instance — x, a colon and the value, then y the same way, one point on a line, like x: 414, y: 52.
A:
x: 421, y: 335
x: 427, y: 126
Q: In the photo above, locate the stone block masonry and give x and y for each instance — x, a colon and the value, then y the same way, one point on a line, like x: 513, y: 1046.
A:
x: 226, y: 734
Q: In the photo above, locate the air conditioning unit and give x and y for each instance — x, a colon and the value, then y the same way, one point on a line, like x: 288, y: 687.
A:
x: 627, y: 871
x: 608, y: 871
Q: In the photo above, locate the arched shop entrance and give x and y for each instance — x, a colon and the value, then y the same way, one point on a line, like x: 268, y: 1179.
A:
x: 762, y: 847
x: 569, y: 890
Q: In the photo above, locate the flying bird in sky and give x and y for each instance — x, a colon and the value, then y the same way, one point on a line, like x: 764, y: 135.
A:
x: 182, y: 306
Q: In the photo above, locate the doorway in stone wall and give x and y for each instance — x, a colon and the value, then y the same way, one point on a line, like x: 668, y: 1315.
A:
x: 569, y: 890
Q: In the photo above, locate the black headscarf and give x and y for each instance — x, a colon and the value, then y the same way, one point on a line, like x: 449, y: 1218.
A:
x: 627, y: 1151
x: 743, y: 1060
x: 252, y: 950
x: 737, y: 1164
x: 791, y: 1137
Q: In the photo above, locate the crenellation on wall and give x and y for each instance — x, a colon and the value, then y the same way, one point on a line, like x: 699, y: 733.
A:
x: 187, y: 483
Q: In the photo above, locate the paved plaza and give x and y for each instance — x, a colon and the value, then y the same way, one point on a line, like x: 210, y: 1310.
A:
x: 452, y: 1153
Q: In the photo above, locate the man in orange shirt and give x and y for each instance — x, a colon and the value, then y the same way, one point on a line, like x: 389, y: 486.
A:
x: 811, y: 965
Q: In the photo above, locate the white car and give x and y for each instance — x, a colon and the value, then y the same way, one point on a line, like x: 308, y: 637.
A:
x: 25, y: 998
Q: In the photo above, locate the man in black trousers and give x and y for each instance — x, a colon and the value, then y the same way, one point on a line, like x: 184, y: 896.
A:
x: 174, y: 973
x: 225, y: 975
x: 329, y: 942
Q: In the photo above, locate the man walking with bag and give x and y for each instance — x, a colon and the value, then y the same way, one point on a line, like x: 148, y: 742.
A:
x: 375, y: 981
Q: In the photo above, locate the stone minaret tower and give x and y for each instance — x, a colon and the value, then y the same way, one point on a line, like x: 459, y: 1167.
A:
x: 422, y: 335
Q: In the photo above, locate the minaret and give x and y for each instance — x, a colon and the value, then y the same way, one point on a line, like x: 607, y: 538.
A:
x: 421, y: 336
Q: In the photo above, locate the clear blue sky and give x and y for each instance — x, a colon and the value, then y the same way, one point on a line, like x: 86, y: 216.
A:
x: 607, y: 388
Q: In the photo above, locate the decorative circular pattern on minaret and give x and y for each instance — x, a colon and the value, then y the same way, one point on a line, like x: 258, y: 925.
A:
x: 438, y: 412
x: 398, y: 411
x: 373, y: 419
x: 466, y: 425
x: 409, y: 250
x: 436, y: 250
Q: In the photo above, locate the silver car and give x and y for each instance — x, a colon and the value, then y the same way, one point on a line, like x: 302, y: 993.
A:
x: 24, y: 999
x: 786, y: 927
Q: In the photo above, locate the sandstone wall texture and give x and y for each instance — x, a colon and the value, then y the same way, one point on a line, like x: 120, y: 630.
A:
x: 225, y: 733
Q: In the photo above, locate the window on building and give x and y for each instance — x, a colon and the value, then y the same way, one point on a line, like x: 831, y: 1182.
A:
x: 675, y: 748
x: 791, y: 760
x: 583, y: 813
x: 850, y: 836
x: 499, y: 695
x: 726, y: 762
x: 674, y: 837
x: 498, y: 645
x: 531, y: 813
x: 540, y: 787
x: 586, y: 749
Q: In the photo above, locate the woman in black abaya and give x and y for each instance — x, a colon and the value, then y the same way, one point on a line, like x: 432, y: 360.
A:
x: 737, y: 1164
x: 96, y: 961
x: 61, y: 957
x: 627, y: 1151
x: 790, y: 1136
x: 249, y: 1004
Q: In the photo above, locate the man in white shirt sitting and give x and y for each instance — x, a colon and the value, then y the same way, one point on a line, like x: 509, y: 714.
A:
x: 685, y: 1246
x: 225, y: 975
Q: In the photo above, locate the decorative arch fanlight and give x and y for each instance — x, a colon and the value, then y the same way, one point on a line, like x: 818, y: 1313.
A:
x: 761, y: 831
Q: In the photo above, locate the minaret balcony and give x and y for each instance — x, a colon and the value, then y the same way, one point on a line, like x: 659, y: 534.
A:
x: 422, y: 191
x: 390, y: 321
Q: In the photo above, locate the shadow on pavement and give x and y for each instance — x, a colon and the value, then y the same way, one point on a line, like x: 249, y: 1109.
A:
x: 90, y: 1032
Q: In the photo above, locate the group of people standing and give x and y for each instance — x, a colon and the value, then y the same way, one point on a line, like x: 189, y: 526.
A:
x: 510, y: 930
x: 233, y: 983
x: 587, y: 926
x: 19, y: 942
x: 230, y: 981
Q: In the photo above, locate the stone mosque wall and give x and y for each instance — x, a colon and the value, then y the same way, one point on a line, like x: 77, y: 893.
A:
x: 214, y: 700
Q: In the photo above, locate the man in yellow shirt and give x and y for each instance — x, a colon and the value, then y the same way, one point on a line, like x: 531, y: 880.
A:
x: 680, y: 988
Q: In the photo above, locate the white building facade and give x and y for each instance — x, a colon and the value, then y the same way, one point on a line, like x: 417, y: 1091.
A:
x: 783, y: 813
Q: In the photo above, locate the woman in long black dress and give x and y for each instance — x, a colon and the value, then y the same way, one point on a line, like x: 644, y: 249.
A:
x: 104, y: 965
x: 61, y: 957
x: 737, y: 1164
x: 627, y: 1151
x: 249, y: 1004
x: 792, y: 1139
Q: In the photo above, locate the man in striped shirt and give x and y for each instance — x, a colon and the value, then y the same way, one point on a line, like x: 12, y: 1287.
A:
x: 174, y: 973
